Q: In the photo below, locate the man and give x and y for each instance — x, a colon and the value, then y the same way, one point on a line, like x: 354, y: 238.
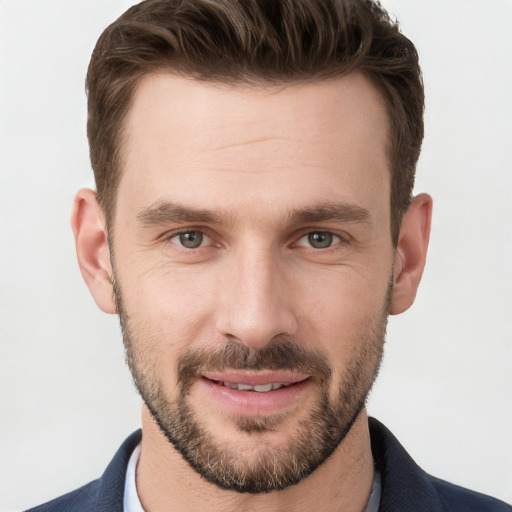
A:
x: 253, y: 227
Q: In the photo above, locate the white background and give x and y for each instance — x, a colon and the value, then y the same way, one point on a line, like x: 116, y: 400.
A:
x: 66, y: 399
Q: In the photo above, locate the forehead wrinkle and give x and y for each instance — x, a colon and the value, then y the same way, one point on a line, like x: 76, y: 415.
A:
x: 165, y: 212
x: 248, y: 142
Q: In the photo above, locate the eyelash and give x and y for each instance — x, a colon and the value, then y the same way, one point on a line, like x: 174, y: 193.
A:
x: 336, y: 239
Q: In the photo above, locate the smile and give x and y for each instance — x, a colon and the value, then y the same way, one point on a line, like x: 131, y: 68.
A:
x: 254, y: 393
x: 259, y: 388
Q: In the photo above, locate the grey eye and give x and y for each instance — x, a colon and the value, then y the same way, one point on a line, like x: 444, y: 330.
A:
x: 191, y: 239
x: 320, y: 240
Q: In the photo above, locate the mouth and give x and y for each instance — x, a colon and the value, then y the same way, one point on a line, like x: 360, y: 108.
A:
x: 258, y: 388
x: 255, y: 393
x: 261, y: 381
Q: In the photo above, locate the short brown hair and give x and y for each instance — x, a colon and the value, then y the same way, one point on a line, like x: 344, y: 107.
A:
x: 260, y: 42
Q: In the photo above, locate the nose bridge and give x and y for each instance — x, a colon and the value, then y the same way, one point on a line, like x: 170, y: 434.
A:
x: 256, y: 300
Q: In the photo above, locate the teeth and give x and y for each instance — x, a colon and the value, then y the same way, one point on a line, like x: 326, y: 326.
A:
x: 263, y: 388
x: 259, y: 388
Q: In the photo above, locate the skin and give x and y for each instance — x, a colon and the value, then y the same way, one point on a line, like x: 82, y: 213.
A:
x: 253, y: 156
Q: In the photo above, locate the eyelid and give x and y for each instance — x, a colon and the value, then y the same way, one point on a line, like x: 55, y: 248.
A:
x: 185, y: 229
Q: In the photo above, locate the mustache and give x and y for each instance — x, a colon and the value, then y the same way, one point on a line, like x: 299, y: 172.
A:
x: 278, y: 354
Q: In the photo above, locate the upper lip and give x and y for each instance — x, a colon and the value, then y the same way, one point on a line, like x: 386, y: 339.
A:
x: 256, y: 378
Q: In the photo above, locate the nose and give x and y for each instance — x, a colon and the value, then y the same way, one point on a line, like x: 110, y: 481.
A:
x: 256, y: 297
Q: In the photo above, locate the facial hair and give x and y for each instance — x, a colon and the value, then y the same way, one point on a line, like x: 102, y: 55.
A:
x: 266, y: 468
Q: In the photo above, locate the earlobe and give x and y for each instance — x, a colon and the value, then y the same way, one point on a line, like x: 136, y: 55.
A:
x: 89, y: 228
x: 411, y: 253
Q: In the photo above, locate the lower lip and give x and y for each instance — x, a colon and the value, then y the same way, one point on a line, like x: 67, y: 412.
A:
x: 253, y: 403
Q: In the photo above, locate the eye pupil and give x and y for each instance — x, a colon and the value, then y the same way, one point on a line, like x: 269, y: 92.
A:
x: 192, y: 239
x: 320, y: 240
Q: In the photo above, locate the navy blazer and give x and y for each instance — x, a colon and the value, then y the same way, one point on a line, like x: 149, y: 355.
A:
x: 405, y: 486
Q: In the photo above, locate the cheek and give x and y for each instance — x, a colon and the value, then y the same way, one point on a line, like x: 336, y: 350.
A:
x: 342, y: 311
x: 167, y: 307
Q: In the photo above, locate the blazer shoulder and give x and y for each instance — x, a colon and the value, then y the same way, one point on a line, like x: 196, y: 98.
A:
x: 102, y: 495
x: 79, y: 500
x: 455, y: 498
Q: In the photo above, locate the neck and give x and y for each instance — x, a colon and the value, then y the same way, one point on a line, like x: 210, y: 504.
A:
x: 166, y: 482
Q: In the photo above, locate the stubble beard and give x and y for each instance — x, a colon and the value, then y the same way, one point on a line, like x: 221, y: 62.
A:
x: 266, y: 468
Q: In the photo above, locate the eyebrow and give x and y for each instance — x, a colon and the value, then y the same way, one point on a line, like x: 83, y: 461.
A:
x: 330, y: 212
x: 168, y: 212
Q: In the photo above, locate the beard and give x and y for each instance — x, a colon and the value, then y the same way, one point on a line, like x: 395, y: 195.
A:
x: 265, y: 467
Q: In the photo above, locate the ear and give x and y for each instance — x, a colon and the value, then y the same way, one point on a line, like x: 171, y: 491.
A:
x: 411, y: 253
x: 89, y: 228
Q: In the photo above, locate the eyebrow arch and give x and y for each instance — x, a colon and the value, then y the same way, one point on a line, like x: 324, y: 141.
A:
x: 167, y: 212
x: 330, y: 212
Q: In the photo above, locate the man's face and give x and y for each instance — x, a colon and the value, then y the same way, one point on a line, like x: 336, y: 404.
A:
x: 253, y: 261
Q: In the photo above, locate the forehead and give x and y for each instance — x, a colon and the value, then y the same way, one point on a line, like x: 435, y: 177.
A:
x: 185, y: 139
x: 184, y: 105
